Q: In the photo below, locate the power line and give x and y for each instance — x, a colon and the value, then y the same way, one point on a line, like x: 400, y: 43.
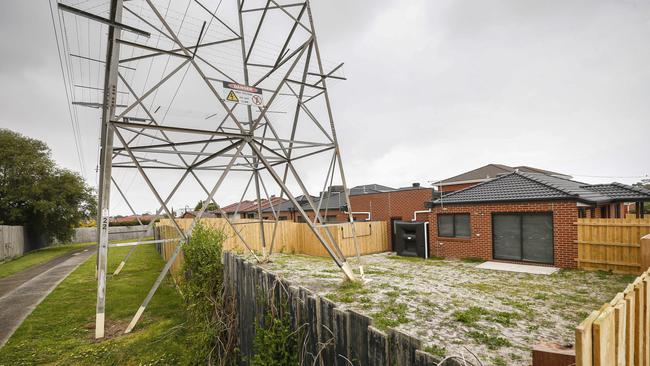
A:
x: 76, y: 137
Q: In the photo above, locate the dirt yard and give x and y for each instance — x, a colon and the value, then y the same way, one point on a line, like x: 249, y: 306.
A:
x: 450, y: 304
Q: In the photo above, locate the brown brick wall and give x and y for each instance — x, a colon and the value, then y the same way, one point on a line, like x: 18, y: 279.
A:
x: 456, y: 187
x: 398, y: 205
x: 480, y: 243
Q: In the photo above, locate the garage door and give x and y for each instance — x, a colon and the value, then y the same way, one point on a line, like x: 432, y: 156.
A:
x: 523, y: 237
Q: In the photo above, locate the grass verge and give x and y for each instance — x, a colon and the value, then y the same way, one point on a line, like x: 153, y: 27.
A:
x: 36, y: 257
x: 60, y: 330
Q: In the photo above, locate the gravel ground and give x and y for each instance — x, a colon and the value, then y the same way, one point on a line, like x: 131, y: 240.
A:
x: 450, y: 304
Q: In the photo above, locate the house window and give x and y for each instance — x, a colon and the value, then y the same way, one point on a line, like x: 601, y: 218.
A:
x: 282, y: 218
x: 582, y: 213
x: 453, y: 225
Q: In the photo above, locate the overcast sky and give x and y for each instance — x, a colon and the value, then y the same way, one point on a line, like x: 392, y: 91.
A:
x: 434, y: 88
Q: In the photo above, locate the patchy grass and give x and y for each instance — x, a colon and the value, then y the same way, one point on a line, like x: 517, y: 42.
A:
x: 436, y: 350
x: 391, y: 314
x: 60, y: 330
x: 36, y: 257
x: 491, y: 341
x: 473, y: 260
x: 451, y: 304
x: 348, y: 292
x: 471, y: 315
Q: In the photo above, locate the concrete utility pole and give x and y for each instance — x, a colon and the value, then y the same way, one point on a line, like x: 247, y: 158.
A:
x: 106, y: 156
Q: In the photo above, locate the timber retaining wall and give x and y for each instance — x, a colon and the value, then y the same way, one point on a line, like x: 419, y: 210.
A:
x: 333, y: 336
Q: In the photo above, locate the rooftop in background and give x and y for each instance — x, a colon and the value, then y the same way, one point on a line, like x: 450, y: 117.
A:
x: 251, y: 206
x: 133, y: 218
x: 492, y: 171
x: 523, y: 186
x: 369, y: 188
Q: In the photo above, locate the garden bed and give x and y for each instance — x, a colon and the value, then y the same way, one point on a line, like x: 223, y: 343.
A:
x: 450, y: 304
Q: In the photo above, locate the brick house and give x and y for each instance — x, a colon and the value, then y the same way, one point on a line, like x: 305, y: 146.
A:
x: 402, y: 204
x: 332, y: 207
x: 520, y: 217
x: 248, y: 209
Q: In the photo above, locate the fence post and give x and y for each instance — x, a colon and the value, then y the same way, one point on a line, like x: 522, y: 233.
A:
x: 645, y: 252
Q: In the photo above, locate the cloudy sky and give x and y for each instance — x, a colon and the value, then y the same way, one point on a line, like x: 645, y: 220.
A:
x: 434, y: 88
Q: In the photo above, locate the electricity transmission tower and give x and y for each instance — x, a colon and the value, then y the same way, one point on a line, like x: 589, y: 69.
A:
x: 257, y: 67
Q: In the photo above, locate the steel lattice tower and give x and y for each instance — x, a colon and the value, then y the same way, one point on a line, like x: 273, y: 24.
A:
x: 272, y: 113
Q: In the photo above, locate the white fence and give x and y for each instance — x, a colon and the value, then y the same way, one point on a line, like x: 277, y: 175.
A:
x: 12, y: 241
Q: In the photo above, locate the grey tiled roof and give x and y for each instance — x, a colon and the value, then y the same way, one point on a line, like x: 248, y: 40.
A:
x: 494, y: 170
x: 510, y: 187
x: 620, y: 191
x: 369, y: 188
x: 332, y: 202
x: 520, y: 186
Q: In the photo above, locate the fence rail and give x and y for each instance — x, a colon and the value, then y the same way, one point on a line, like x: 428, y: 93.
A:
x: 612, y: 244
x: 618, y: 333
x: 12, y: 241
x: 291, y: 237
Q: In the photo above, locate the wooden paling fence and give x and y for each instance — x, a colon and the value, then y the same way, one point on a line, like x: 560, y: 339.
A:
x: 612, y: 244
x: 619, y: 332
x: 290, y: 237
x: 12, y: 241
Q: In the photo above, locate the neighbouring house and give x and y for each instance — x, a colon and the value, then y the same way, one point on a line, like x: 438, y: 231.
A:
x: 369, y: 202
x: 190, y: 214
x: 329, y: 207
x: 145, y: 218
x: 403, y: 204
x: 248, y: 209
x: 485, y: 173
x: 523, y: 217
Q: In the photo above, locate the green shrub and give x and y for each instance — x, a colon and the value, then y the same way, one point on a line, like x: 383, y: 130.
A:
x: 211, y: 308
x: 276, y: 344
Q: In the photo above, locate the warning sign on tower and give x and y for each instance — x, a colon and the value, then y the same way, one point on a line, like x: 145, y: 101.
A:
x: 243, y: 94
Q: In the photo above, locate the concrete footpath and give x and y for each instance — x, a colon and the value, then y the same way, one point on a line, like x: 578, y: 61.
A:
x: 20, y: 293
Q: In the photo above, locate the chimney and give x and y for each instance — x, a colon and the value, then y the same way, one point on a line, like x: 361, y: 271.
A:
x: 416, y: 185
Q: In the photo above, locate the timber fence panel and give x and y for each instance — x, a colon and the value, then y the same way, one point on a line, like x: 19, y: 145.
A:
x: 613, y: 244
x: 290, y: 237
x: 618, y: 333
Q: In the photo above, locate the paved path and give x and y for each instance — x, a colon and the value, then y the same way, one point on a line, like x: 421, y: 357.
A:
x: 20, y: 293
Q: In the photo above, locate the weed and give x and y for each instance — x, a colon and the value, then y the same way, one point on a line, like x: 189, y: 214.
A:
x: 483, y: 287
x: 471, y: 315
x: 436, y: 350
x: 540, y: 296
x: 473, y: 260
x: 347, y: 292
x: 390, y: 315
x: 504, y: 317
x: 492, y: 342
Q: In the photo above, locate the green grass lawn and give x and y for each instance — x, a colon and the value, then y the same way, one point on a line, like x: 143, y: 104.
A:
x: 60, y: 330
x: 37, y: 257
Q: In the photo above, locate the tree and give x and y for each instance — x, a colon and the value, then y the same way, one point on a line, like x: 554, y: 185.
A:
x: 211, y: 206
x: 37, y: 194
